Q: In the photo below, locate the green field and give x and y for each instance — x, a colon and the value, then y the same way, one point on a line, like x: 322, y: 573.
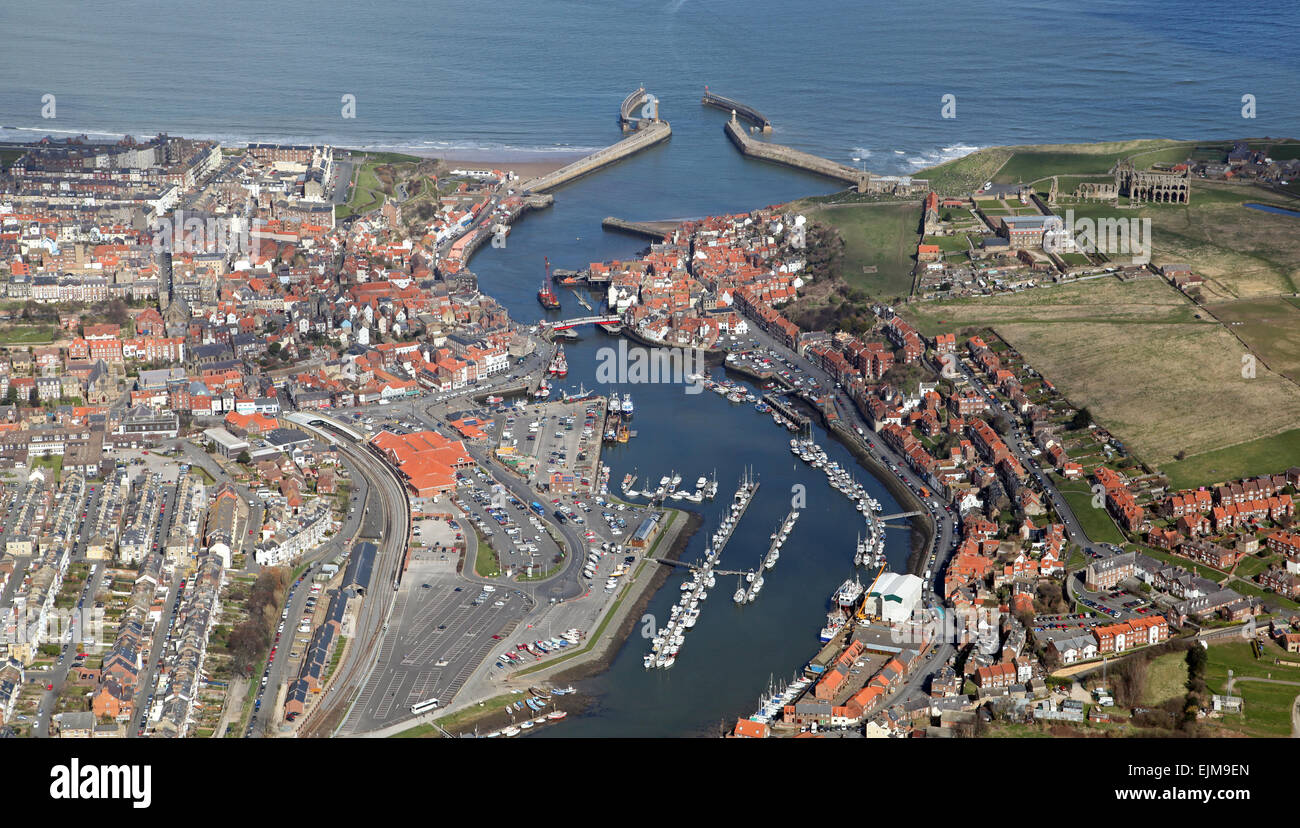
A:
x: 883, y: 236
x: 1240, y: 252
x: 1268, y: 706
x: 1096, y: 523
x: 1025, y: 164
x: 54, y: 462
x: 1270, y: 327
x: 1271, y: 454
x: 1139, y: 358
x: 26, y: 334
x: 949, y: 244
x: 1166, y: 679
x: 968, y: 173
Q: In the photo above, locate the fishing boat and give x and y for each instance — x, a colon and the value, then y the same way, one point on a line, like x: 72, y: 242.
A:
x: 848, y: 593
x: 559, y: 366
x: 627, y: 405
x: 835, y: 622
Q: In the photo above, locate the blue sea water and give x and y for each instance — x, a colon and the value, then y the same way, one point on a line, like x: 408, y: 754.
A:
x: 516, y: 80
x: 842, y: 79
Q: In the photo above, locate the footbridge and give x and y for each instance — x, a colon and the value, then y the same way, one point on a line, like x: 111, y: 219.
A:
x: 742, y: 110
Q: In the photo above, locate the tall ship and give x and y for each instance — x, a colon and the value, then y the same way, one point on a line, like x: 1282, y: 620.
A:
x: 559, y: 365
x: 546, y: 295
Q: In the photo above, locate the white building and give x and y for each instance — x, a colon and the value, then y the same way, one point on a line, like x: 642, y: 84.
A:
x: 894, y: 597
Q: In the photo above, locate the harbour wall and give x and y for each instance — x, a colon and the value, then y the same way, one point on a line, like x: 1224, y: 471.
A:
x: 790, y: 157
x: 650, y: 229
x: 647, y: 136
x: 742, y: 110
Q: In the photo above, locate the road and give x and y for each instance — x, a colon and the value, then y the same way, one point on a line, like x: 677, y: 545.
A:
x: 162, y: 632
x: 943, y: 520
x: 1023, y: 452
x: 58, y: 674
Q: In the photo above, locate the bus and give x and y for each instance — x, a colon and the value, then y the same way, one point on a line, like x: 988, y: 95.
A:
x: 424, y: 706
x: 537, y: 507
x: 560, y: 517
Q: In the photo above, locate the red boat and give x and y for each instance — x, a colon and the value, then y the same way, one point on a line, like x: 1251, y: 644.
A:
x: 547, y: 296
x: 559, y: 365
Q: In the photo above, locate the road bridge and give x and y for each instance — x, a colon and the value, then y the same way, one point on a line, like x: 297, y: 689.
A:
x: 565, y: 324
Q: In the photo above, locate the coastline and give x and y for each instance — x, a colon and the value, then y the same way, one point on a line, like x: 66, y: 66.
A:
x: 526, y: 168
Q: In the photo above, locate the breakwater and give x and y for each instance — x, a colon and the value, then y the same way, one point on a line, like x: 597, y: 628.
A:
x: 790, y: 157
x: 742, y: 110
x: 650, y: 229
x: 644, y: 138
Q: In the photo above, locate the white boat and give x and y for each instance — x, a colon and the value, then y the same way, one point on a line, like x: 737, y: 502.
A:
x: 627, y: 404
x: 835, y: 622
x: 848, y: 593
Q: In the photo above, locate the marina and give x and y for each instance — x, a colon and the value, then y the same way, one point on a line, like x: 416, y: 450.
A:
x: 667, y: 643
x: 748, y: 590
x: 870, y: 550
x: 669, y: 488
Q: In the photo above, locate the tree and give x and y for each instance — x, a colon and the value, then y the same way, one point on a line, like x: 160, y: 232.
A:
x: 1081, y: 419
x: 34, y: 398
x: 243, y: 459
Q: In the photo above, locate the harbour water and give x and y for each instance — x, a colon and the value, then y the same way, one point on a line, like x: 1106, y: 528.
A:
x: 732, y: 650
x: 497, y: 81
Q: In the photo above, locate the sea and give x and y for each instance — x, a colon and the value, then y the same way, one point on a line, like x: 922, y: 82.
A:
x: 863, y: 83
